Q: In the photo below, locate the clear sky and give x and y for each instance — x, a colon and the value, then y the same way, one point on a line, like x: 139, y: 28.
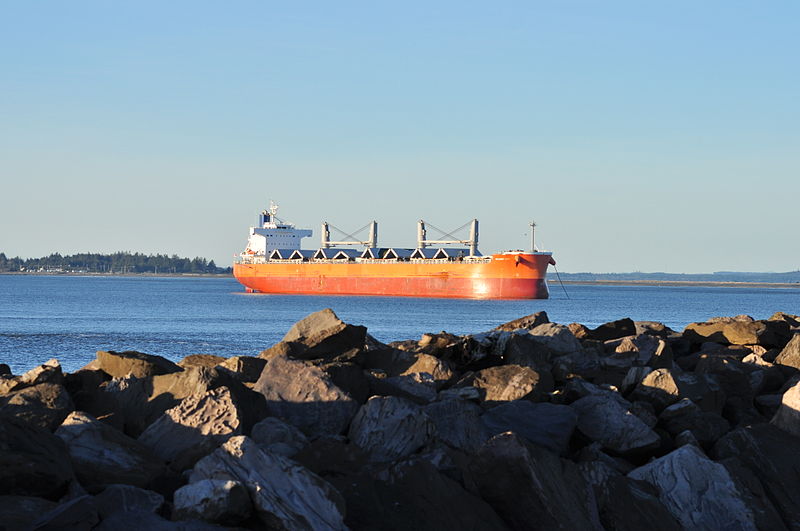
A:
x: 641, y: 136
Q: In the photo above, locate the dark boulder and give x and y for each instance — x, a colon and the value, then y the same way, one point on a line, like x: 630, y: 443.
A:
x: 324, y: 335
x: 532, y: 488
x: 739, y: 331
x: 529, y: 322
x: 305, y: 396
x: 132, y: 363
x: 613, y: 330
x: 33, y: 461
x: 389, y: 428
x: 509, y: 382
x: 44, y: 405
x: 547, y: 425
x: 103, y: 455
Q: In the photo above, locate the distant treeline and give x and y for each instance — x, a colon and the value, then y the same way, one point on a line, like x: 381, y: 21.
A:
x: 121, y: 262
x: 790, y: 277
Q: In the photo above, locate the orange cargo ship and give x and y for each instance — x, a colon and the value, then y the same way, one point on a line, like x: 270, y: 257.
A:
x: 274, y: 263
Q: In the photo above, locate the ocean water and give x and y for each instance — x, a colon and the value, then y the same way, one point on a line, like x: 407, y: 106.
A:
x: 71, y: 317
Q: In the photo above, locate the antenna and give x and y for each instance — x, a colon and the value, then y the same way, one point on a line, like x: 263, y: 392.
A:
x: 533, y: 228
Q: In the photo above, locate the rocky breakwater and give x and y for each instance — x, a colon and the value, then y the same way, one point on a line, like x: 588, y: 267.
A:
x: 533, y: 425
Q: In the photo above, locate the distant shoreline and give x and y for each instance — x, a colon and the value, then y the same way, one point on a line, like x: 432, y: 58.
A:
x: 686, y: 283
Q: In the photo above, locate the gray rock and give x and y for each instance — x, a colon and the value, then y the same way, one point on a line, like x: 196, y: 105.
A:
x: 285, y: 495
x: 244, y: 368
x: 664, y: 387
x: 771, y: 455
x: 526, y: 351
x: 127, y: 498
x: 135, y: 364
x: 78, y: 514
x: 605, y: 420
x: 508, y: 382
x: 305, y: 396
x: 790, y: 355
x: 193, y: 428
x: 613, y: 330
x: 213, y: 500
x: 630, y: 505
x: 547, y: 425
x: 33, y: 461
x: 274, y: 435
x: 684, y: 415
x: 417, y: 387
x: 529, y: 322
x: 556, y: 337
x: 103, y: 455
x: 44, y: 405
x: 19, y: 511
x: 440, y: 370
x: 458, y: 424
x: 414, y: 495
x: 388, y: 428
x: 48, y: 372
x: 325, y: 335
x: 698, y: 492
x: 530, y: 487
x: 788, y: 416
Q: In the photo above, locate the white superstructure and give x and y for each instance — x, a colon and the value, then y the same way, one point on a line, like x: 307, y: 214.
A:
x: 273, y: 233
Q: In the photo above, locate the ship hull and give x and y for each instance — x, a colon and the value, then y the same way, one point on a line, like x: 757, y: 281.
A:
x: 505, y: 276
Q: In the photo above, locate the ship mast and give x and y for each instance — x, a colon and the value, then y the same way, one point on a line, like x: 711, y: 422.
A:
x: 533, y: 228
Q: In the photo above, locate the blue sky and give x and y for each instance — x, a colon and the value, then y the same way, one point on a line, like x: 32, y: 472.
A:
x: 640, y: 136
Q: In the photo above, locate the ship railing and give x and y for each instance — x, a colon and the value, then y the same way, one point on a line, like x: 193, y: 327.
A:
x: 258, y: 259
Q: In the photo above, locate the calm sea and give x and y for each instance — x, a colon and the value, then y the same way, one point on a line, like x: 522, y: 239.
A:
x: 72, y: 317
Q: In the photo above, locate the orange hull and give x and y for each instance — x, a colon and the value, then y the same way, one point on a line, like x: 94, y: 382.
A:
x: 505, y: 276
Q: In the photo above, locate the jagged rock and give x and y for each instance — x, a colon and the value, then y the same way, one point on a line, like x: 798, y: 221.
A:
x: 131, y: 363
x: 440, y: 370
x: 634, y: 350
x: 509, y: 382
x: 414, y: 495
x: 331, y: 457
x: 33, y: 461
x: 698, y: 492
x: 733, y: 331
x: 524, y: 350
x: 213, y: 500
x: 461, y: 393
x: 19, y: 511
x: 770, y: 454
x: 44, y: 405
x: 585, y: 364
x: 193, y: 428
x: 127, y: 498
x: 244, y: 368
x: 547, y: 425
x: 83, y: 387
x: 577, y: 388
x: 530, y: 487
x: 79, y: 514
x: 285, y: 495
x: 768, y: 405
x: 305, y: 396
x: 663, y: 387
x: 325, y: 335
x: 603, y: 419
x: 283, y: 348
x: 653, y: 328
x: 787, y: 417
x: 613, y: 330
x: 350, y: 378
x: 274, y: 435
x: 645, y: 411
x: 5, y: 370
x: 790, y: 355
x: 457, y: 424
x: 529, y: 322
x: 417, y: 387
x: 684, y: 415
x: 579, y: 331
x: 791, y: 320
x: 103, y: 455
x: 388, y: 428
x: 201, y: 360
x: 686, y: 437
x: 49, y: 372
x: 556, y: 337
x: 633, y: 377
x: 629, y: 505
